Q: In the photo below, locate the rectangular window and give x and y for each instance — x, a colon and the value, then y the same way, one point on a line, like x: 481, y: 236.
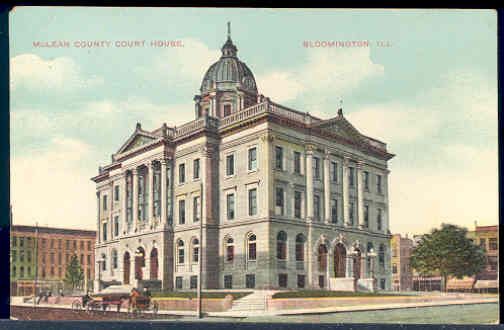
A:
x: 351, y: 177
x: 351, y: 212
x: 59, y: 244
x: 366, y: 216
x: 181, y: 211
x: 334, y: 211
x: 297, y: 204
x: 379, y: 224
x: 282, y: 280
x: 181, y: 173
x: 21, y: 256
x: 88, y: 245
x: 230, y: 206
x: 279, y: 201
x: 21, y: 242
x: 250, y: 281
x: 13, y: 255
x: 297, y: 162
x: 229, y: 165
x: 104, y: 202
x: 321, y: 281
x: 483, y: 243
x: 382, y: 283
x: 116, y: 193
x: 28, y: 256
x: 230, y: 253
x: 227, y: 110
x: 51, y: 258
x: 59, y: 258
x: 228, y: 281
x: 104, y: 232
x: 116, y: 226
x: 252, y: 159
x: 252, y: 199
x: 278, y: 158
x: 316, y: 207
x: 178, y: 282
x: 334, y: 172
x: 366, y: 180
x: 195, y: 255
x: 379, y: 183
x: 67, y: 244
x: 196, y: 209
x: 316, y: 168
x: 492, y: 244
x: 14, y: 241
x: 301, y: 281
x: 82, y: 245
x: 394, y: 268
x: 44, y: 241
x: 88, y: 257
x: 196, y: 168
x: 193, y: 282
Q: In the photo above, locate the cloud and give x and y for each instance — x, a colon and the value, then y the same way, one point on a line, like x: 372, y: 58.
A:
x: 52, y: 186
x: 60, y: 74
x: 326, y: 72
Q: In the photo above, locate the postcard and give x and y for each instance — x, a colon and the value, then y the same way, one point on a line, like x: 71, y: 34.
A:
x: 254, y: 165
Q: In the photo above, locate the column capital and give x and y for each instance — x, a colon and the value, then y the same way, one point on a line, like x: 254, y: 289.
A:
x: 134, y: 171
x: 327, y: 154
x: 267, y: 137
x: 360, y: 164
x: 309, y: 148
x: 163, y: 161
x: 346, y: 160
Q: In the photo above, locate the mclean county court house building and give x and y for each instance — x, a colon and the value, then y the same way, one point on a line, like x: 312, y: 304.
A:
x: 262, y: 195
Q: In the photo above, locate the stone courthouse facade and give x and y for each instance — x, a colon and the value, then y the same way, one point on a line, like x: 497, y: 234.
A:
x: 262, y: 195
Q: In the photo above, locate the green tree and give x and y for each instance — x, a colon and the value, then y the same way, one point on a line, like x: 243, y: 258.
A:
x: 74, y: 275
x: 449, y: 252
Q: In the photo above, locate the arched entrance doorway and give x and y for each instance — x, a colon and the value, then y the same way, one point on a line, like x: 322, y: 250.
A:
x: 154, y: 264
x: 339, y: 260
x: 139, y: 262
x: 126, y: 266
x: 357, y: 264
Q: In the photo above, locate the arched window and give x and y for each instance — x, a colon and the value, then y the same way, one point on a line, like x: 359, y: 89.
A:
x: 181, y: 252
x: 14, y: 271
x: 154, y: 266
x: 195, y: 255
x: 300, y: 247
x: 251, y: 247
x: 104, y: 262
x: 229, y: 250
x: 322, y: 257
x: 282, y: 245
x: 114, y: 259
x: 21, y: 271
x: 381, y: 256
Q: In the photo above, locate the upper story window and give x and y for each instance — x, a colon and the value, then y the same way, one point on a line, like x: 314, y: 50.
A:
x: 483, y: 243
x: 280, y: 200
x: 316, y: 168
x: 104, y: 231
x: 230, y: 165
x: 366, y: 180
x: 297, y: 204
x: 252, y: 201
x: 251, y: 247
x: 181, y: 173
x: 351, y: 212
x: 278, y: 157
x: 196, y: 169
x: 182, y: 211
x: 297, y: 162
x: 104, y: 202
x: 366, y: 216
x: 252, y: 159
x: 300, y: 247
x: 492, y: 244
x: 316, y: 207
x: 116, y: 193
x: 334, y: 172
x: 229, y: 250
x: 227, y: 110
x: 379, y: 183
x: 196, y: 209
x: 116, y: 226
x: 351, y: 177
x: 230, y: 206
x: 379, y: 224
x: 181, y: 252
x: 334, y: 210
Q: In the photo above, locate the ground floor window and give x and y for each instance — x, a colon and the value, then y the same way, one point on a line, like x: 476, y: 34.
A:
x: 321, y: 281
x: 194, y: 282
x: 382, y: 283
x: 282, y: 280
x: 178, y: 282
x: 228, y: 281
x: 301, y: 281
x: 250, y: 281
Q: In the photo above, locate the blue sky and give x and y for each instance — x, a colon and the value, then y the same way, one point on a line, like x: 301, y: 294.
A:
x: 431, y: 95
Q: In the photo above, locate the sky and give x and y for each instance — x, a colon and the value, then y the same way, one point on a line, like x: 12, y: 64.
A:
x: 429, y: 91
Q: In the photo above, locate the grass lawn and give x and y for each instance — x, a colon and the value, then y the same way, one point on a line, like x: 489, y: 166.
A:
x: 324, y: 293
x: 193, y: 294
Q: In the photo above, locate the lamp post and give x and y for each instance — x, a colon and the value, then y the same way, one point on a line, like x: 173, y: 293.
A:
x: 200, y: 256
x: 36, y: 266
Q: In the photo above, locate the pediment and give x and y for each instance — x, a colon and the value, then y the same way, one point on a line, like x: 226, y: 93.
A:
x: 340, y: 126
x: 137, y: 139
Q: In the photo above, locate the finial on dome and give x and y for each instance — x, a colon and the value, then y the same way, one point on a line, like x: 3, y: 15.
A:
x: 340, y: 109
x: 229, y: 30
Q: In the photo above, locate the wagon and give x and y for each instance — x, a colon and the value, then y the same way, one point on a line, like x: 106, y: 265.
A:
x: 142, y: 304
x: 99, y: 302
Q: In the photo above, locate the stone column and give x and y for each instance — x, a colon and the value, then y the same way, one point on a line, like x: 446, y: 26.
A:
x: 309, y: 183
x: 111, y: 216
x: 266, y: 157
x: 360, y: 195
x: 349, y: 266
x: 327, y: 189
x: 98, y: 224
x: 125, y: 202
x: 328, y: 269
x: 346, y: 194
x: 163, y: 191
x: 150, y: 189
x: 135, y: 198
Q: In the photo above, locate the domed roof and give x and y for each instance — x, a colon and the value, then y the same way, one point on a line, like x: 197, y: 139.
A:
x: 229, y: 71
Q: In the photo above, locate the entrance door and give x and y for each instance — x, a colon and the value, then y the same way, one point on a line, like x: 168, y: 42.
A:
x: 126, y: 265
x: 154, y: 264
x: 357, y: 264
x: 339, y: 260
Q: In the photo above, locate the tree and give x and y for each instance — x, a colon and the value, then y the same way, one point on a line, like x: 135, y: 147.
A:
x: 74, y: 275
x: 448, y: 252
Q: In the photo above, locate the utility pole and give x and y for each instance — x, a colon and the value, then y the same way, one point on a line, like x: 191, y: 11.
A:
x: 200, y: 256
x: 36, y: 266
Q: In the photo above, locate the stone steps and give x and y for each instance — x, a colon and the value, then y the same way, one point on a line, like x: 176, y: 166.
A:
x: 255, y: 301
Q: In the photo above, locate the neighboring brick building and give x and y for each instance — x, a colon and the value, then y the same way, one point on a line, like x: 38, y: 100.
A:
x: 42, y: 253
x: 487, y: 237
x: 401, y: 248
